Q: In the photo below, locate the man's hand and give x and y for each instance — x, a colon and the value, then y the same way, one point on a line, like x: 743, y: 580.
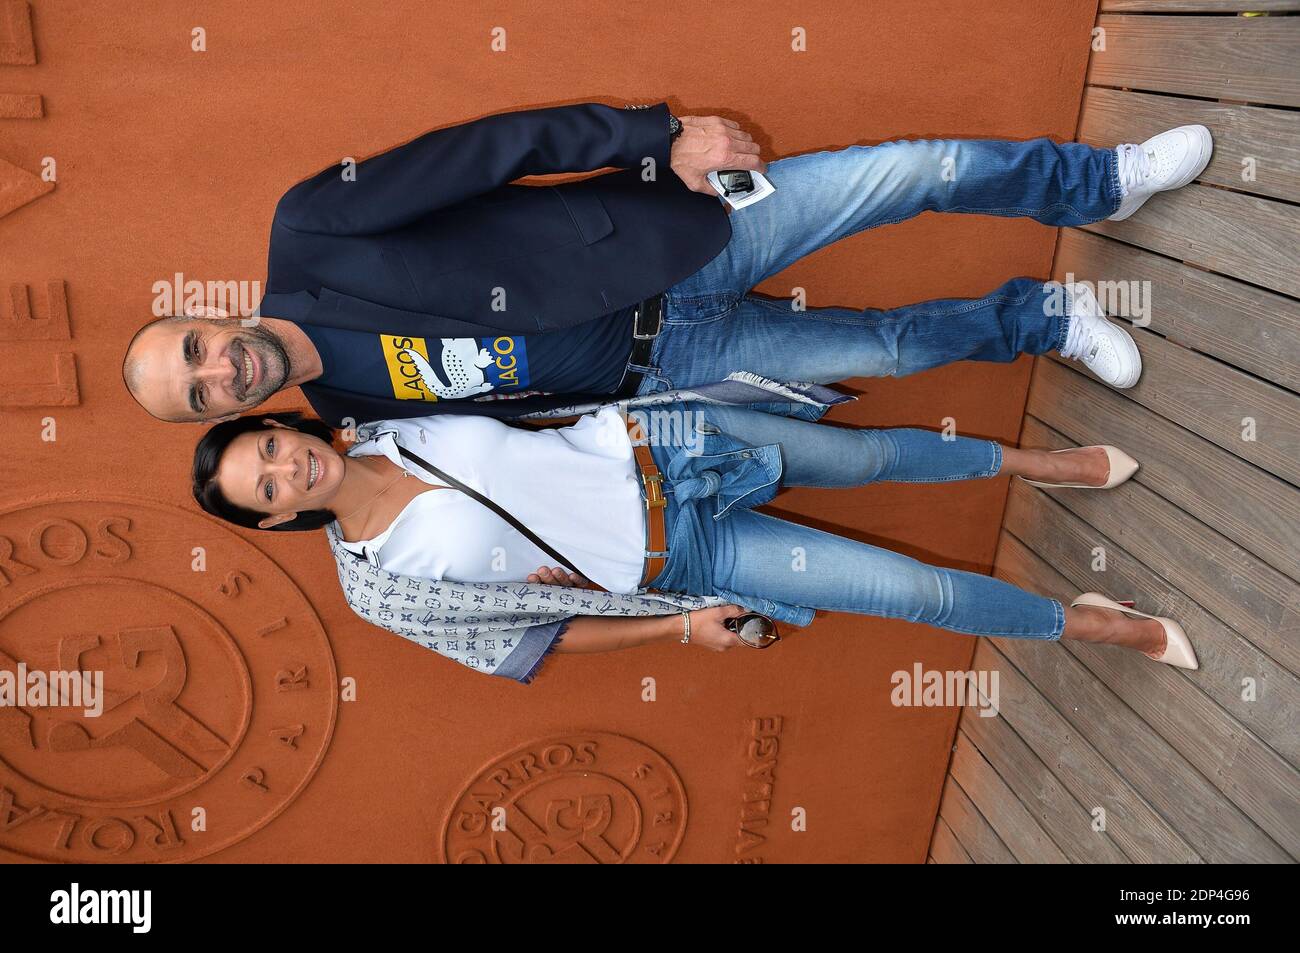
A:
x: 555, y: 576
x: 710, y: 144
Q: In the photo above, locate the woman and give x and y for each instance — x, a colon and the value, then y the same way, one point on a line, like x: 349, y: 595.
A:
x: 597, y: 495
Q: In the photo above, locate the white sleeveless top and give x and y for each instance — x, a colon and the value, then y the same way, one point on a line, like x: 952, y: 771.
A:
x: 576, y: 487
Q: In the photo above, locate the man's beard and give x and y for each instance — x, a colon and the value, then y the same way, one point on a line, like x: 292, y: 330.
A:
x: 270, y: 357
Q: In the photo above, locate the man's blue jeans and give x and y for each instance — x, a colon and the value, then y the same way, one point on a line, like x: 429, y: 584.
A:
x: 756, y: 560
x: 713, y: 325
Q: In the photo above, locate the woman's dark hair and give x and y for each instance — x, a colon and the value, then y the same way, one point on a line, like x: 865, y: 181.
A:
x: 207, y: 457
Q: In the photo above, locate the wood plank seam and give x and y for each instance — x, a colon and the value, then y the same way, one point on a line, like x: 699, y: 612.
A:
x: 1135, y: 825
x: 1263, y: 816
x: 1224, y: 653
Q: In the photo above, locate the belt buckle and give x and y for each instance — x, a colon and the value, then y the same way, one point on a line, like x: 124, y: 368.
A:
x: 654, y: 494
x: 636, y: 320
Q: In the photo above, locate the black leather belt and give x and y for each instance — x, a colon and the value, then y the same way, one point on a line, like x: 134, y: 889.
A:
x: 647, y: 319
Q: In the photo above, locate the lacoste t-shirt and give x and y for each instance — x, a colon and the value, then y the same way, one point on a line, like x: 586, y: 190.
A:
x: 586, y: 359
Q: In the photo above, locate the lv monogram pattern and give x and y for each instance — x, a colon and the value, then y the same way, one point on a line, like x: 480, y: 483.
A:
x: 479, y: 624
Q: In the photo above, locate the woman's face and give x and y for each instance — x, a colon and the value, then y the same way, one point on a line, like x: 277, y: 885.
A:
x: 280, y: 472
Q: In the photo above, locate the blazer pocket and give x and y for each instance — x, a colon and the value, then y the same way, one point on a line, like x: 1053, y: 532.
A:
x: 587, y: 211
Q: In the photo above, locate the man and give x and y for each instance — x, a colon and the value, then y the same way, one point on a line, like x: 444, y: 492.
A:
x: 421, y: 281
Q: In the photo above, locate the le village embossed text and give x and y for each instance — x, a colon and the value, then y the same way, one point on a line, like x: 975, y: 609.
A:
x: 756, y: 793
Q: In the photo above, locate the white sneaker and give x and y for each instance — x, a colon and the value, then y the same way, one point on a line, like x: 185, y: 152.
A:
x: 1104, y: 348
x: 1167, y: 161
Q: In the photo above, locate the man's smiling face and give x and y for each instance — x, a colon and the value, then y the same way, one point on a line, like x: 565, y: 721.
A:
x: 190, y: 369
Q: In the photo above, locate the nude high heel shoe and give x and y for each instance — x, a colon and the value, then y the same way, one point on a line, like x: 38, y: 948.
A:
x: 1178, y: 649
x: 1122, y: 466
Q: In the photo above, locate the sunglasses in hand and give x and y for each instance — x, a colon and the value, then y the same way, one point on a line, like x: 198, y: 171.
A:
x: 754, y: 629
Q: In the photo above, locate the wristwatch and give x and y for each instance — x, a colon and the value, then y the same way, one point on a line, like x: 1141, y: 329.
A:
x: 674, y: 124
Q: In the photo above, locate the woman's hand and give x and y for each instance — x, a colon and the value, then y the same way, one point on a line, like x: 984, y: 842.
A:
x: 555, y: 576
x: 593, y: 634
x: 709, y: 630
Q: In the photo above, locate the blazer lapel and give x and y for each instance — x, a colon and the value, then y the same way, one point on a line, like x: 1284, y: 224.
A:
x: 336, y: 407
x: 337, y: 310
x: 294, y: 306
x: 333, y: 309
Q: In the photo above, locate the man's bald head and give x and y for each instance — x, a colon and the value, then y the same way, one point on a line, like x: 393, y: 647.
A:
x: 199, y: 368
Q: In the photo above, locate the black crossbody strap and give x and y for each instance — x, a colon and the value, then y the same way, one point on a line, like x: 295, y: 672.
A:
x: 470, y: 491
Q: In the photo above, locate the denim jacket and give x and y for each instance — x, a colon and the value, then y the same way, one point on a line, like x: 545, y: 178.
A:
x: 711, y: 482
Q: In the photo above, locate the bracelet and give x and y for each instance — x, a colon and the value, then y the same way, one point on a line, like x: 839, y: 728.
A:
x: 686, y: 617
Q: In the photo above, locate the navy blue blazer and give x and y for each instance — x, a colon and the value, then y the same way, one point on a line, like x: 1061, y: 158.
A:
x: 432, y: 240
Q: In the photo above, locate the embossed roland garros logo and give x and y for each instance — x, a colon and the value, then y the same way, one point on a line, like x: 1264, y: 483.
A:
x: 219, y: 685
x: 588, y: 797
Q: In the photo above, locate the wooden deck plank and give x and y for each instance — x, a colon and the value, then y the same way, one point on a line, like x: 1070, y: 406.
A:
x: 998, y: 804
x: 1210, y: 697
x: 1248, y: 327
x: 1243, y: 236
x: 1208, y: 531
x: 1222, y: 404
x: 1039, y: 791
x: 1237, y: 805
x: 1258, y: 142
x: 1195, y: 6
x: 1144, y: 835
x: 944, y: 846
x: 1258, y: 602
x: 970, y: 828
x: 1154, y: 771
x: 1246, y: 59
x: 1261, y: 513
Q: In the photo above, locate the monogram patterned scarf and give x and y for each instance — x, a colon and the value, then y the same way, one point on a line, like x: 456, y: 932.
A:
x: 496, y: 628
